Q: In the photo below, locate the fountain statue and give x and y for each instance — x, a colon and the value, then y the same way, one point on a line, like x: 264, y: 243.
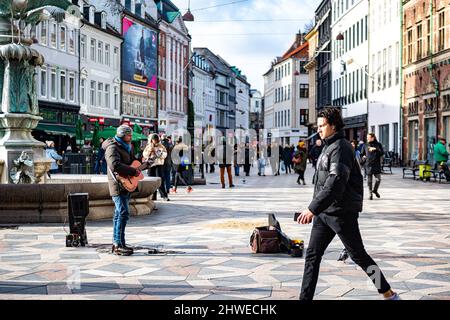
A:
x: 25, y: 194
x: 19, y: 111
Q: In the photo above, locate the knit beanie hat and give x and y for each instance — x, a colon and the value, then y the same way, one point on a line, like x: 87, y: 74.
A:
x: 124, y: 130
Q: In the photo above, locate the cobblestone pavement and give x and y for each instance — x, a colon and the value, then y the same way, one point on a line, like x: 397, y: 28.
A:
x: 205, y: 235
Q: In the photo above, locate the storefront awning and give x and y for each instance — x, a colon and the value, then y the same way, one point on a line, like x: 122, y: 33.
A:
x: 56, y: 129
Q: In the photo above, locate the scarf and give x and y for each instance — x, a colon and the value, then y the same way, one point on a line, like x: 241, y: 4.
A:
x: 123, y: 144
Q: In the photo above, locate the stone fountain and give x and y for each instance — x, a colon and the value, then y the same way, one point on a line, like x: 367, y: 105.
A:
x: 26, y: 196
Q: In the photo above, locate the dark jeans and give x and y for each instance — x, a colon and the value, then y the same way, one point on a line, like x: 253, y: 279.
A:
x: 179, y: 177
x: 377, y: 182
x: 323, y: 231
x: 157, y: 171
x: 301, y: 176
x: 121, y: 215
x: 167, y: 178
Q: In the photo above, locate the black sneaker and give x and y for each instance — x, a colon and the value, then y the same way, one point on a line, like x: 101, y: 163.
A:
x: 377, y: 194
x: 232, y: 186
x: 122, y: 251
x: 343, y: 256
x: 223, y: 186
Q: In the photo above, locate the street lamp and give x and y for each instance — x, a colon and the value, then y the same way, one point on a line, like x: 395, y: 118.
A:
x: 188, y: 16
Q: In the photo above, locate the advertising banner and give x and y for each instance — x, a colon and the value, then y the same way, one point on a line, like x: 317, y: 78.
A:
x: 139, y: 54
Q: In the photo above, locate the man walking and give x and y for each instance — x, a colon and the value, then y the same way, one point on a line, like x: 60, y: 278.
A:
x: 371, y: 155
x: 119, y: 156
x: 337, y: 201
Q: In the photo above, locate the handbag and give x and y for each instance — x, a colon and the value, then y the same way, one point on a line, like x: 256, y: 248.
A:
x: 265, y: 240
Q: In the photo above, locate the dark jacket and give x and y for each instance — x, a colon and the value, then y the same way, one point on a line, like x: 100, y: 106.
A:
x: 118, y: 160
x: 315, y: 153
x: 373, y: 159
x: 301, y: 166
x: 338, y: 183
x: 168, y: 159
x: 287, y: 155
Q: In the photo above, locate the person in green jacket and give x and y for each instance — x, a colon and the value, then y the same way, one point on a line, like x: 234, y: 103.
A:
x: 441, y: 156
x: 440, y: 150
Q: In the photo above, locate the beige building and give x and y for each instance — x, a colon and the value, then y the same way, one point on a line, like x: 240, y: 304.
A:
x: 313, y: 39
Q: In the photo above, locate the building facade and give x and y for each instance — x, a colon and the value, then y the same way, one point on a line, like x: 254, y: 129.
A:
x: 311, y: 67
x: 174, y: 57
x: 58, y: 80
x: 291, y: 92
x: 100, y: 63
x: 426, y: 76
x: 269, y: 101
x: 384, y: 73
x: 242, y: 100
x: 203, y: 93
x: 256, y: 121
x: 222, y: 82
x: 323, y: 18
x: 350, y: 58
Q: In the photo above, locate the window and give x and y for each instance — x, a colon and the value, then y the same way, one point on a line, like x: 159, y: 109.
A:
x: 397, y: 63
x: 116, y: 58
x: 116, y: 98
x: 357, y: 33
x: 92, y: 93
x: 384, y: 68
x: 107, y: 55
x: 62, y: 85
x: 62, y: 38
x: 441, y: 31
x: 304, y: 90
x: 72, y: 87
x: 83, y: 91
x: 93, y: 44
x: 100, y: 52
x: 428, y: 37
x: 72, y: 41
x: 43, y: 82
x: 53, y: 83
x: 100, y: 94
x: 419, y: 41
x: 374, y: 71
x: 53, y: 34
x: 83, y: 46
x: 410, y: 46
x: 107, y: 96
x: 44, y: 33
x: 390, y: 67
x: 289, y: 92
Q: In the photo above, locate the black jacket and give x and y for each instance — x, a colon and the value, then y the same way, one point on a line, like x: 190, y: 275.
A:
x: 168, y: 159
x: 118, y: 160
x: 373, y: 159
x: 338, y: 189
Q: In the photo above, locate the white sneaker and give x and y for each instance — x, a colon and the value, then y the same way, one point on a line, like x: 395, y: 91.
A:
x: 395, y: 296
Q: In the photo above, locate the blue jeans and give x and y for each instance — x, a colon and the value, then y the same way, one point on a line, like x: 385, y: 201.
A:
x: 121, y: 215
x: 236, y: 170
x: 168, y: 179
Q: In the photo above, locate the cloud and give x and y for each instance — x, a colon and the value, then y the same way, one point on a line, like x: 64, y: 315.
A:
x: 249, y: 45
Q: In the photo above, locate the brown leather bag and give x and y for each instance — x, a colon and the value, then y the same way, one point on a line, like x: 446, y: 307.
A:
x: 265, y: 240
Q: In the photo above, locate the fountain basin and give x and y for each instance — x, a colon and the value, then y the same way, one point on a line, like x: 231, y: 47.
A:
x: 47, y: 203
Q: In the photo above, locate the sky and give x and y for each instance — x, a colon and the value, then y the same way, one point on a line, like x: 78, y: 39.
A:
x: 249, y: 45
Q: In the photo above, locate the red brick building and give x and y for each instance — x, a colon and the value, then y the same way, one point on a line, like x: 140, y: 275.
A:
x: 426, y: 76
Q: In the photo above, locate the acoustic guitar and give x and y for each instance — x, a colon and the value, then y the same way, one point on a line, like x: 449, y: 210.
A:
x: 130, y: 183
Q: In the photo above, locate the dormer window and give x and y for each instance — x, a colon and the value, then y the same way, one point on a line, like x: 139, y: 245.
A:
x: 103, y: 24
x: 91, y: 14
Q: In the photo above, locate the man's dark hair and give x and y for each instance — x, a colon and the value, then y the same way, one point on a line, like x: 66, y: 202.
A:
x: 333, y: 116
